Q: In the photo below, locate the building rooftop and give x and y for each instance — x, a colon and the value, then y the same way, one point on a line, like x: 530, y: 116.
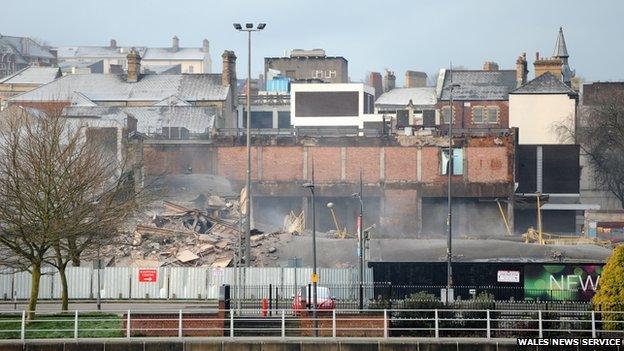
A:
x: 113, y: 87
x: 546, y: 83
x: 33, y: 75
x: 85, y: 52
x: 152, y: 119
x: 477, y: 84
x: 424, y: 96
x: 23, y: 47
x: 170, y: 54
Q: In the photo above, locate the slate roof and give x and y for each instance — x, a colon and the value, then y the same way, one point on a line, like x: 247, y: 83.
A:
x: 424, y: 96
x: 547, y: 83
x: 33, y: 75
x: 561, y: 50
x: 478, y: 85
x: 151, y: 119
x: 113, y: 87
x: 15, y: 45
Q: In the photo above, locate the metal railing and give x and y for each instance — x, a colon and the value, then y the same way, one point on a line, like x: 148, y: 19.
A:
x: 386, y: 323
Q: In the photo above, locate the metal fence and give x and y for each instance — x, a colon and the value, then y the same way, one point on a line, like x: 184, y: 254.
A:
x: 170, y: 282
x: 386, y: 323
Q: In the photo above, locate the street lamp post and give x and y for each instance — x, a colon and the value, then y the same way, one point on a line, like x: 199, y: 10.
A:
x: 310, y: 186
x: 449, y: 172
x: 249, y: 27
x: 360, y: 226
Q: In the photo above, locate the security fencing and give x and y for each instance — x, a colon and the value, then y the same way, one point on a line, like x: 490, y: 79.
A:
x: 386, y: 323
x: 165, y: 282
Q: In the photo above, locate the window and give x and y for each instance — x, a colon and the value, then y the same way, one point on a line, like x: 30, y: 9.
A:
x: 283, y: 119
x: 485, y: 114
x: 190, y: 69
x: 445, y: 113
x: 492, y: 114
x: 369, y: 103
x: 458, y: 161
x: 477, y: 114
x: 291, y: 74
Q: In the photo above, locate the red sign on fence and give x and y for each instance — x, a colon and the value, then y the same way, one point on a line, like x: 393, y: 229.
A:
x: 148, y: 275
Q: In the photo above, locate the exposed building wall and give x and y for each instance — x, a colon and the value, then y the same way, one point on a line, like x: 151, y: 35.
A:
x: 188, y: 66
x: 540, y: 117
x: 327, y: 69
x: 395, y: 177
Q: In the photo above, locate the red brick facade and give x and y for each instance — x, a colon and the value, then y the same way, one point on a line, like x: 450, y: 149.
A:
x: 463, y: 116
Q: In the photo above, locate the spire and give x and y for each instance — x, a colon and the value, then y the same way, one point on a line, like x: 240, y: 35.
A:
x: 560, y: 46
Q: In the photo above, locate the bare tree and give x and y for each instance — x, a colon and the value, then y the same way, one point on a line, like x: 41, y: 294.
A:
x: 60, y: 193
x: 600, y: 132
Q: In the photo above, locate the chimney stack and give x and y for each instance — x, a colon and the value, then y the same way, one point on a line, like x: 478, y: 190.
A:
x: 113, y: 44
x: 228, y: 75
x: 415, y: 79
x: 134, y: 66
x: 375, y: 81
x: 490, y: 66
x: 521, y: 70
x: 205, y: 45
x: 389, y: 81
x: 175, y: 43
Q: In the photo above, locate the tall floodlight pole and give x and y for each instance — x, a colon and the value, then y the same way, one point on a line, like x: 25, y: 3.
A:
x: 449, y: 172
x: 249, y: 27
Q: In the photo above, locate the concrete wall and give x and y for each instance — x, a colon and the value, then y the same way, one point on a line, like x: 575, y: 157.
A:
x: 328, y: 69
x: 539, y: 117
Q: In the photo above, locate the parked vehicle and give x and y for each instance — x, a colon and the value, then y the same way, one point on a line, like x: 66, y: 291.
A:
x: 324, y: 299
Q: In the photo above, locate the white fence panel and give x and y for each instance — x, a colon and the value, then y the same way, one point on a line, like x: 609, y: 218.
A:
x: 6, y: 285
x: 116, y: 283
x: 78, y: 283
x: 187, y: 282
x: 149, y: 290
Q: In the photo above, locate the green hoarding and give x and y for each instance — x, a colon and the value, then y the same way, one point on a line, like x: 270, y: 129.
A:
x: 561, y: 281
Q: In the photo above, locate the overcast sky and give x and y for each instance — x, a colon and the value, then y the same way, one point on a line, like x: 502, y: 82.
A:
x: 371, y: 35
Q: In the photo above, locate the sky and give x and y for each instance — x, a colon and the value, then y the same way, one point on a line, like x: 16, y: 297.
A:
x: 421, y: 35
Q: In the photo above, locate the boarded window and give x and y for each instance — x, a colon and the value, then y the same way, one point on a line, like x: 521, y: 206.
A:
x: 445, y: 113
x: 326, y: 104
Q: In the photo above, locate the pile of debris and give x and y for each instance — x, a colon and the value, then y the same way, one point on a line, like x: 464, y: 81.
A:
x: 181, y: 236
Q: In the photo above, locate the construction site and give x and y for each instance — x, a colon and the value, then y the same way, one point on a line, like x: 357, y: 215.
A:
x: 198, y: 220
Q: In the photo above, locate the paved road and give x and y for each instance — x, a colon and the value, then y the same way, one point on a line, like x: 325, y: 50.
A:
x: 153, y: 306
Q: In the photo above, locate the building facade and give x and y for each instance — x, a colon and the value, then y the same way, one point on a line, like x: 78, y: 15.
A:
x: 309, y: 65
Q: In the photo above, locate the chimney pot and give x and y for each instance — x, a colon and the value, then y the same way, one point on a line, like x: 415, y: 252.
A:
x: 205, y: 45
x: 113, y: 44
x: 175, y: 43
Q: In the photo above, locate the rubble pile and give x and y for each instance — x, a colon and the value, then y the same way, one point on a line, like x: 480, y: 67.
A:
x: 182, y: 236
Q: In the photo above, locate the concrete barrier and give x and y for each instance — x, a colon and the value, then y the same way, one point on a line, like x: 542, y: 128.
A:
x: 263, y: 344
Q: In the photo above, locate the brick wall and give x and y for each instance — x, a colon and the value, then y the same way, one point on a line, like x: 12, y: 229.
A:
x: 167, y: 324
x: 462, y: 114
x: 369, y: 325
x: 485, y: 162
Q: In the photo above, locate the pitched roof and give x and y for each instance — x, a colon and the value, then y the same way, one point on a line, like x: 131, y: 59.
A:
x: 24, y: 47
x: 95, y: 52
x: 560, y: 46
x: 33, y: 75
x: 477, y: 85
x: 152, y: 119
x: 546, y: 83
x: 113, y: 87
x: 401, y: 97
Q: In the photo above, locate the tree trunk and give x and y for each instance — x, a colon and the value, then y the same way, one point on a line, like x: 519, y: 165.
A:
x: 34, y: 290
x: 64, y: 292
